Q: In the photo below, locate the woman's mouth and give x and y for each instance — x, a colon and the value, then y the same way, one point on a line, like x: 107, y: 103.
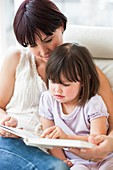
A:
x: 46, y: 57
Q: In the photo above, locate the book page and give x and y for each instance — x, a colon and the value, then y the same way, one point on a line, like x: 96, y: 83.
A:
x: 62, y: 143
x: 19, y: 132
x: 32, y: 139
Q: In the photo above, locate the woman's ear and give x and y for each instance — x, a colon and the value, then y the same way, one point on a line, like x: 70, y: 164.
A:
x: 62, y: 27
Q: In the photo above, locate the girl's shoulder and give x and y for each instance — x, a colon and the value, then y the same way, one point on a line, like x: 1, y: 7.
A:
x: 47, y: 98
x: 46, y: 95
x: 97, y: 99
x: 96, y: 107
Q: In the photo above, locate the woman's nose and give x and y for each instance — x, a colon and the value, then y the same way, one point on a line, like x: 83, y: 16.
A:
x: 43, y: 50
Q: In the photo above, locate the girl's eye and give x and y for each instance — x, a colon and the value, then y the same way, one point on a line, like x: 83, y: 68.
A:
x: 66, y: 85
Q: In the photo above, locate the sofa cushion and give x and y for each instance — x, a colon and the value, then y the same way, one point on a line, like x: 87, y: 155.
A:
x: 107, y: 68
x: 99, y: 40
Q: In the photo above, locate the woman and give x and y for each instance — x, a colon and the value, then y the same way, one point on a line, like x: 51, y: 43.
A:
x: 23, y: 83
x: 38, y: 25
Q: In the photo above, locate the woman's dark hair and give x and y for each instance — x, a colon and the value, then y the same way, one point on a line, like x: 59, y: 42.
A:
x: 34, y: 16
x: 75, y: 63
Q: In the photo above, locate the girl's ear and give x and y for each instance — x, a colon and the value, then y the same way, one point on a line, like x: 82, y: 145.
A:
x: 89, y: 76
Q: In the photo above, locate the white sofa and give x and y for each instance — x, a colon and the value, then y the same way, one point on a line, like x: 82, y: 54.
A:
x: 99, y: 40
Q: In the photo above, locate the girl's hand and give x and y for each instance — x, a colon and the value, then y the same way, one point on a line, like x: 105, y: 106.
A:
x: 8, y: 121
x: 54, y: 132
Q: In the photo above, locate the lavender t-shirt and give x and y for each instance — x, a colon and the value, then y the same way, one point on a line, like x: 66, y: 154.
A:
x: 78, y: 121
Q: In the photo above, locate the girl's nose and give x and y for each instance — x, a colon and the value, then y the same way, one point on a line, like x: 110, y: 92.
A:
x: 58, y: 88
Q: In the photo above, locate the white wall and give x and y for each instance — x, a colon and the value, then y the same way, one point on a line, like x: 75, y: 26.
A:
x: 2, y: 31
x: 6, y: 32
x: 79, y: 12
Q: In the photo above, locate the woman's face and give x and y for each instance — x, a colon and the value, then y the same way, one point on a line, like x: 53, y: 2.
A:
x: 43, y: 48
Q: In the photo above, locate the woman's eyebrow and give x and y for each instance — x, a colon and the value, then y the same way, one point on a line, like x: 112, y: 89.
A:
x: 46, y: 38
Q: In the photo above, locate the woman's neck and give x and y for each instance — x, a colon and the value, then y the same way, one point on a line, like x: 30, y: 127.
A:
x: 40, y: 66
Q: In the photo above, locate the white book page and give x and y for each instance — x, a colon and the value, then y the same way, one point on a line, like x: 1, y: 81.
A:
x: 32, y: 139
x: 63, y: 143
x: 19, y: 132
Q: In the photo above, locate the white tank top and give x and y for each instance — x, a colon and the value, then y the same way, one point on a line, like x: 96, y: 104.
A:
x: 24, y: 104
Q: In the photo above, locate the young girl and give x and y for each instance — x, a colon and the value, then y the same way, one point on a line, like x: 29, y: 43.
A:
x: 71, y: 109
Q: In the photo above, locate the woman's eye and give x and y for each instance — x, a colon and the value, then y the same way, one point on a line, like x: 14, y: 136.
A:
x: 48, y: 40
x: 33, y: 45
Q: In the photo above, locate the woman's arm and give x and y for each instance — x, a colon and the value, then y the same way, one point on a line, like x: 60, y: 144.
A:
x: 7, y: 81
x: 99, y: 152
x: 106, y: 93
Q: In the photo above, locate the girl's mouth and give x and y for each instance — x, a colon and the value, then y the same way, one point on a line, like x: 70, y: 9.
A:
x: 59, y: 96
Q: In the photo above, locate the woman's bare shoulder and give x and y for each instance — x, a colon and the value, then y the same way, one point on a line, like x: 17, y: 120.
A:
x: 12, y: 57
x: 13, y: 53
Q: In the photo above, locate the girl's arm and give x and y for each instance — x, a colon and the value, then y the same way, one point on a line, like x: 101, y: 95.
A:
x: 57, y: 152
x: 106, y: 93
x: 97, y: 127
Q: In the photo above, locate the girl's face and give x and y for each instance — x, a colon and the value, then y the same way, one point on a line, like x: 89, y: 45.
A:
x: 43, y: 48
x: 67, y: 93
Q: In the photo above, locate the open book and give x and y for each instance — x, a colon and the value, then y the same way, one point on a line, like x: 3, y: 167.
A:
x: 33, y: 139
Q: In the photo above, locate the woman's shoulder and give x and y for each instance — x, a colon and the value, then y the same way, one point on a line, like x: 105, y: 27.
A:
x: 13, y: 56
x: 11, y: 61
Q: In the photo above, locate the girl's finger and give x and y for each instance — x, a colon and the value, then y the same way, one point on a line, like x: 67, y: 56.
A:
x: 54, y: 134
x: 47, y: 131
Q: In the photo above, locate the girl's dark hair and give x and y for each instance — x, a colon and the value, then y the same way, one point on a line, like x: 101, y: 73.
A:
x: 36, y: 15
x: 75, y: 63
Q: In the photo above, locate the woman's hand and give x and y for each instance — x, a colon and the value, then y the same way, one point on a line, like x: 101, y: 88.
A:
x: 98, y: 153
x: 54, y: 132
x: 8, y: 121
